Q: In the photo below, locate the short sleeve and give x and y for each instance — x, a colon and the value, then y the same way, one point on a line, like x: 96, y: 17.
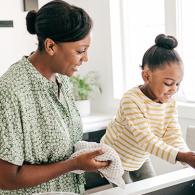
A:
x: 11, y: 136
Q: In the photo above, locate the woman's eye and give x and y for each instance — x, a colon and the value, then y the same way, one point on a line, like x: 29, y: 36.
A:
x: 81, y: 51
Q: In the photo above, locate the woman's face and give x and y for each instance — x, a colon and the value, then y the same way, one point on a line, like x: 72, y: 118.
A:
x: 69, y: 56
x: 164, y: 83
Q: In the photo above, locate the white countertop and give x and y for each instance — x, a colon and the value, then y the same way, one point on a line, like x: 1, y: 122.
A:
x: 152, y: 184
x: 95, y: 122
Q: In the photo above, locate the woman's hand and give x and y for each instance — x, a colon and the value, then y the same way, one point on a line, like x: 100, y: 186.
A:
x: 187, y: 157
x: 14, y: 177
x: 87, y: 161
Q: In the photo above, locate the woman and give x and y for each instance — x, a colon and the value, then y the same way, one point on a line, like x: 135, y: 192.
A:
x: 39, y: 120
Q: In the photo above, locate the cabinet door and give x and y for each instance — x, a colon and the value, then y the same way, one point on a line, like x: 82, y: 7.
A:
x: 185, y: 188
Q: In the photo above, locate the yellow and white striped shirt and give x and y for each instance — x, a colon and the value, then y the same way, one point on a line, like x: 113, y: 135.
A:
x: 142, y: 127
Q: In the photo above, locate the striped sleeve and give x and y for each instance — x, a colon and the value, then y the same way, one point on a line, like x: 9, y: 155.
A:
x: 173, y: 135
x: 140, y: 128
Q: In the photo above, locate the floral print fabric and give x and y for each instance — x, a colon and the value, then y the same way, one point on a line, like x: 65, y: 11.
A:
x: 38, y: 125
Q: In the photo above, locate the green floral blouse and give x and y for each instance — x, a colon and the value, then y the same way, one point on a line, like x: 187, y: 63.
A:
x: 39, y: 124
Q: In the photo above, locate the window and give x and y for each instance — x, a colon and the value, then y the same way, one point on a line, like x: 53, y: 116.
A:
x: 140, y: 22
x: 186, y: 33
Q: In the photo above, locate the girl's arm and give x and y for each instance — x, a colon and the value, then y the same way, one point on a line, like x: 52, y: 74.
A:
x: 173, y: 134
x: 139, y: 127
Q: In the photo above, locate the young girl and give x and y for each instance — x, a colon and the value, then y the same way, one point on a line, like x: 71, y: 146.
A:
x: 146, y: 121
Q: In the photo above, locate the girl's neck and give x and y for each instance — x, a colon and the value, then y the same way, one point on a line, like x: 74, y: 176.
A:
x: 146, y: 90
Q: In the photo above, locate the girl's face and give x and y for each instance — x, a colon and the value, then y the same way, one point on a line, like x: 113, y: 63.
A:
x: 69, y: 56
x: 162, y: 84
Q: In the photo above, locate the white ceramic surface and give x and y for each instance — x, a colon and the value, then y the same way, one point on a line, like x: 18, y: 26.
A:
x: 55, y: 193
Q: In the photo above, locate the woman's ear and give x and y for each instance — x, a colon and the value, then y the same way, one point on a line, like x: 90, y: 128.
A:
x: 49, y: 46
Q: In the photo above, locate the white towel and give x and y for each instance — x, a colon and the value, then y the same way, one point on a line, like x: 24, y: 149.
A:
x: 114, y: 171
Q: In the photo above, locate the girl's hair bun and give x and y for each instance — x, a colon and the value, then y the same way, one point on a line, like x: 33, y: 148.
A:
x: 166, y: 41
x: 30, y: 21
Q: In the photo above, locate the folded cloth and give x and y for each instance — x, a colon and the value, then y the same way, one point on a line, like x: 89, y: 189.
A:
x: 113, y: 173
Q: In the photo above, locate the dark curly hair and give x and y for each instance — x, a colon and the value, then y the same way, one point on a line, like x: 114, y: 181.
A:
x: 161, y: 53
x: 59, y: 21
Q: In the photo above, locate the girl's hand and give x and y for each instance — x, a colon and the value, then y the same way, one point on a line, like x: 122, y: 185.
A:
x: 87, y: 161
x: 187, y: 157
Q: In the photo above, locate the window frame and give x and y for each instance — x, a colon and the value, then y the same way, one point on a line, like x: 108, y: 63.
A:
x: 172, y: 27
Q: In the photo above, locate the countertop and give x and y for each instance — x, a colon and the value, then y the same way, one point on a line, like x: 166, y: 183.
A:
x: 96, y: 122
x: 153, y: 184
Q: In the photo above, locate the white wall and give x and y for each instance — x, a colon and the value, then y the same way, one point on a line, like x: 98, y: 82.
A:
x: 100, y: 58
x: 15, y: 42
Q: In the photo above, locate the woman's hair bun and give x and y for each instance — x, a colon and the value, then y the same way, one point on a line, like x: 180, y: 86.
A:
x: 166, y: 41
x: 30, y: 21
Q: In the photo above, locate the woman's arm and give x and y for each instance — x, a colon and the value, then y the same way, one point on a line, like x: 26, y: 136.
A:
x: 15, y: 177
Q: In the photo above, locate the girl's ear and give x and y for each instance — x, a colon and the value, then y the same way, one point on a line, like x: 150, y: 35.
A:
x: 49, y: 46
x: 146, y: 74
